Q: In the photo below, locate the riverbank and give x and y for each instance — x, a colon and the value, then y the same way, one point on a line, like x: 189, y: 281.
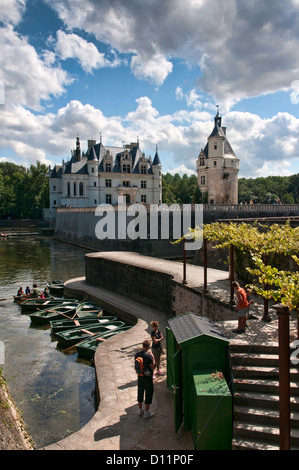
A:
x: 13, y: 433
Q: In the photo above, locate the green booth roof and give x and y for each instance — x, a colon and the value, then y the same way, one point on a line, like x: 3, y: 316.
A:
x: 189, y: 327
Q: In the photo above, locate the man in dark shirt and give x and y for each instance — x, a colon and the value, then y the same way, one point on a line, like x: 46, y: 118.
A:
x: 145, y: 381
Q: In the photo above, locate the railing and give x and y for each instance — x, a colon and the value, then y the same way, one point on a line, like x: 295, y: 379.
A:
x: 235, y: 208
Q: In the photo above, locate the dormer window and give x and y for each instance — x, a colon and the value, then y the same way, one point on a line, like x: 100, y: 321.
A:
x: 126, y: 169
x: 202, y: 161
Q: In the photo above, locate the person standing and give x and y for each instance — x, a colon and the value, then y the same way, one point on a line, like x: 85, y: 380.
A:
x: 157, y: 349
x: 145, y: 387
x: 241, y: 307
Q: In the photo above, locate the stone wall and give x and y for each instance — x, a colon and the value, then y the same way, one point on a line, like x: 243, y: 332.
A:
x: 149, y: 280
x: 118, y: 273
x: 78, y: 226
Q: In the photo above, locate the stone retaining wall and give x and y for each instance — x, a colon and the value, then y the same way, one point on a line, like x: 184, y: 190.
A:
x: 151, y: 284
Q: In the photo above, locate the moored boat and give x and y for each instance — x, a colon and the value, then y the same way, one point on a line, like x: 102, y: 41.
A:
x: 88, y: 308
x: 21, y: 298
x: 70, y: 337
x: 56, y: 287
x: 87, y: 348
x: 65, y: 324
x: 32, y: 305
x: 66, y: 311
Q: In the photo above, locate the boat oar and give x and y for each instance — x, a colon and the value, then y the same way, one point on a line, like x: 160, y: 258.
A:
x: 54, y: 311
x: 7, y: 298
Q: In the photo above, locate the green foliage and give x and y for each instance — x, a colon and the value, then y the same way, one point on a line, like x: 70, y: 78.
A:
x: 261, y: 243
x: 24, y: 193
x: 185, y: 190
x: 178, y: 189
x: 269, y: 190
x: 271, y: 283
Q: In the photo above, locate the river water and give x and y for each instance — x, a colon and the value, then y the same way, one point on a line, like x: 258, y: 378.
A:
x: 54, y: 392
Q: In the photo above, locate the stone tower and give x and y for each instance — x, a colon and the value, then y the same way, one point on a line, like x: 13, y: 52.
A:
x: 217, y: 168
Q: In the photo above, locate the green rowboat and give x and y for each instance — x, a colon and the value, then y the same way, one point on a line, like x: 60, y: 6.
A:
x: 88, y: 308
x: 70, y: 337
x: 32, y: 305
x: 56, y: 288
x: 64, y: 324
x: 66, y: 311
x: 87, y: 348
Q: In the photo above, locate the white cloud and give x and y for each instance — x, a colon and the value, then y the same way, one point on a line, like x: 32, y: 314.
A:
x: 294, y: 95
x: 154, y: 69
x: 274, y: 169
x: 28, y: 78
x: 244, y: 50
x: 11, y: 11
x: 74, y: 47
x: 179, y: 93
x: 264, y: 146
x: 263, y: 143
x: 182, y: 169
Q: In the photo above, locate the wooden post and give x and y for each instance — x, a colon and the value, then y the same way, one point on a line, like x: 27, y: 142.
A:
x: 205, y: 264
x: 266, y: 302
x: 284, y: 376
x: 231, y: 271
x: 184, y: 261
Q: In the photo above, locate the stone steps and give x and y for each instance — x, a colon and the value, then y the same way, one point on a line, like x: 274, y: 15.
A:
x: 256, y: 398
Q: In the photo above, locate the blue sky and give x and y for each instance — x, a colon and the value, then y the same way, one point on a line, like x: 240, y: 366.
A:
x: 155, y: 70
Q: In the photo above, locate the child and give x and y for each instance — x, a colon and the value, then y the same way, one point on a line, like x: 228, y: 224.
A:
x: 157, y: 349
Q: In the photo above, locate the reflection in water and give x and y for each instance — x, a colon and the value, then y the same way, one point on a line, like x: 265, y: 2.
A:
x: 54, y: 392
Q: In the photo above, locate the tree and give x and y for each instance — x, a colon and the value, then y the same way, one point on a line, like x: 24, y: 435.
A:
x: 23, y: 192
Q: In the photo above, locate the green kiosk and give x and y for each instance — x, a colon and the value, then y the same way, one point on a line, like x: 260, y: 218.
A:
x: 199, y: 375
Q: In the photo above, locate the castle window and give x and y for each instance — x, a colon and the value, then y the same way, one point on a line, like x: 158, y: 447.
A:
x: 126, y: 184
x: 108, y: 183
x: 143, y: 198
x: 202, y: 161
x: 81, y: 189
x: 68, y: 189
x: 215, y: 163
x: 143, y: 169
x: 143, y: 184
x: 75, y: 189
x: 92, y: 170
x: 108, y: 167
x: 108, y: 199
x: 215, y: 146
x: 126, y: 169
x: 202, y: 180
x: 94, y: 183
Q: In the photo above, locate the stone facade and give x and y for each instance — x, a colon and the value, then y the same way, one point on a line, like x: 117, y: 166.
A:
x: 102, y: 174
x: 217, y: 168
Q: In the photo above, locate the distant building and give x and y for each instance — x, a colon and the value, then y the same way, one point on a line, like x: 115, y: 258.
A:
x: 217, y: 168
x: 103, y: 173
